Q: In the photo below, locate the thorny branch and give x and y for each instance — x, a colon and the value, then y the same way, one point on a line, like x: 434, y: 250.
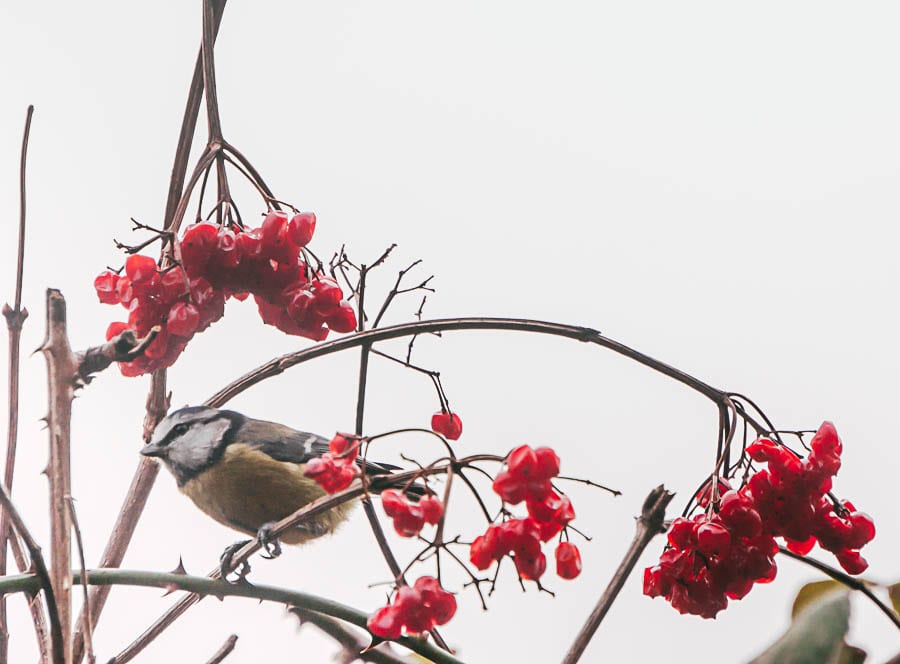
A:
x: 15, y: 319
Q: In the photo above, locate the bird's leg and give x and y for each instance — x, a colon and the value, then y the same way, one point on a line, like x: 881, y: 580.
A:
x: 270, y: 544
x: 225, y: 565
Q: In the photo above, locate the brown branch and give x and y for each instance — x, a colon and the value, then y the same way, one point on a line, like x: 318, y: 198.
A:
x: 157, y: 399
x: 123, y: 347
x: 40, y: 567
x: 649, y: 525
x: 224, y: 651
x: 585, y: 334
x: 851, y: 582
x: 62, y: 368
x: 86, y: 616
x: 207, y: 49
x: 15, y: 319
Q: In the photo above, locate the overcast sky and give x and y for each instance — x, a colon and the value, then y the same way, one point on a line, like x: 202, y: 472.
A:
x: 712, y: 183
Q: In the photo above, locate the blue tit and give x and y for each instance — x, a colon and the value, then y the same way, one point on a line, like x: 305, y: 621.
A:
x: 247, y: 473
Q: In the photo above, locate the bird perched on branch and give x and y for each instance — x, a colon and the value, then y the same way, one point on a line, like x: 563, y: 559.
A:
x: 247, y: 473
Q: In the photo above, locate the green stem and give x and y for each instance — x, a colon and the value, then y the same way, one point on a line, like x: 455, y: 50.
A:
x: 218, y: 588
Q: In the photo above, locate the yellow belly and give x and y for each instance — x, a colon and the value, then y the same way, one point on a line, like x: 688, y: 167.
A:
x: 248, y: 488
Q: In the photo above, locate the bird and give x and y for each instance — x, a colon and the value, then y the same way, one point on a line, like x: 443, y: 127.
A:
x: 247, y: 473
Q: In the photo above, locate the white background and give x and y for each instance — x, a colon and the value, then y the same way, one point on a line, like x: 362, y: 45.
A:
x: 712, y: 183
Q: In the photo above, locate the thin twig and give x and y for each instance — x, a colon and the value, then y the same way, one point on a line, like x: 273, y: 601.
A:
x: 86, y: 617
x: 849, y: 581
x: 224, y: 651
x: 15, y: 319
x: 649, y: 525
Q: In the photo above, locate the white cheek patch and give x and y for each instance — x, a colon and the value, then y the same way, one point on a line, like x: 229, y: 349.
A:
x: 196, y: 447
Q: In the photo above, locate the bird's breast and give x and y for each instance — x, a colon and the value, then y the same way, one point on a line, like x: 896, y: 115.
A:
x: 248, y: 488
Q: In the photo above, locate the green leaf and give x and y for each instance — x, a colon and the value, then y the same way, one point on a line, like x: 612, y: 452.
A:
x: 812, y: 593
x: 894, y: 594
x: 815, y: 637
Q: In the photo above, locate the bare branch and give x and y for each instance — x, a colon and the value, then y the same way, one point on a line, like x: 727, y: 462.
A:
x: 224, y: 651
x: 649, y: 525
x: 62, y: 369
x: 851, y: 582
x: 15, y: 319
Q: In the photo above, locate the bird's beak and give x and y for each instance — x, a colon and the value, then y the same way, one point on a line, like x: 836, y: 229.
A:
x: 153, y: 450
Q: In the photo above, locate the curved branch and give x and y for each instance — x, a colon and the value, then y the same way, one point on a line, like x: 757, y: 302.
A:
x: 578, y: 333
x: 219, y: 588
x: 851, y: 582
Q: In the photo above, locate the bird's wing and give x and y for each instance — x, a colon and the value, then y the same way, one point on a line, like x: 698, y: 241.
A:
x: 283, y: 443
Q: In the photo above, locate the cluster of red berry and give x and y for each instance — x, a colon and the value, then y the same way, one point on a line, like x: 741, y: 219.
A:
x: 447, y: 424
x: 717, y: 556
x: 528, y: 476
x: 410, y: 517
x: 415, y: 609
x: 181, y: 306
x: 218, y: 263
x: 336, y: 469
x: 791, y: 497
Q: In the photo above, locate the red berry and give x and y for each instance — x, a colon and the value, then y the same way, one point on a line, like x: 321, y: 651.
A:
x: 301, y: 228
x: 393, y: 502
x: 319, y: 466
x: 801, y: 548
x: 385, y: 623
x: 115, y: 329
x: 409, y: 522
x: 481, y: 553
x: 272, y: 227
x: 682, y: 533
x: 826, y: 441
x: 249, y: 246
x: 140, y: 269
x: 851, y: 561
x: 432, y: 509
x: 275, y: 243
x: 568, y: 560
x: 508, y: 486
x: 327, y: 295
x: 713, y: 540
x: 343, y: 319
x: 522, y: 461
x: 344, y: 448
x: 299, y: 305
x: 197, y: 247
x: 183, y: 320
x: 531, y: 568
x: 447, y: 424
x: 547, y: 465
x: 172, y: 285
x: 124, y: 291
x: 105, y: 285
x: 228, y: 253
x: 738, y: 514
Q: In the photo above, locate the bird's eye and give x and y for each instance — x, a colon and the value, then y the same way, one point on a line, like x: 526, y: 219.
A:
x: 180, y: 428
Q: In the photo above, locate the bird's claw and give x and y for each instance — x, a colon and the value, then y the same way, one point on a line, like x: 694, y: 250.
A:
x: 269, y: 543
x: 225, y: 561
